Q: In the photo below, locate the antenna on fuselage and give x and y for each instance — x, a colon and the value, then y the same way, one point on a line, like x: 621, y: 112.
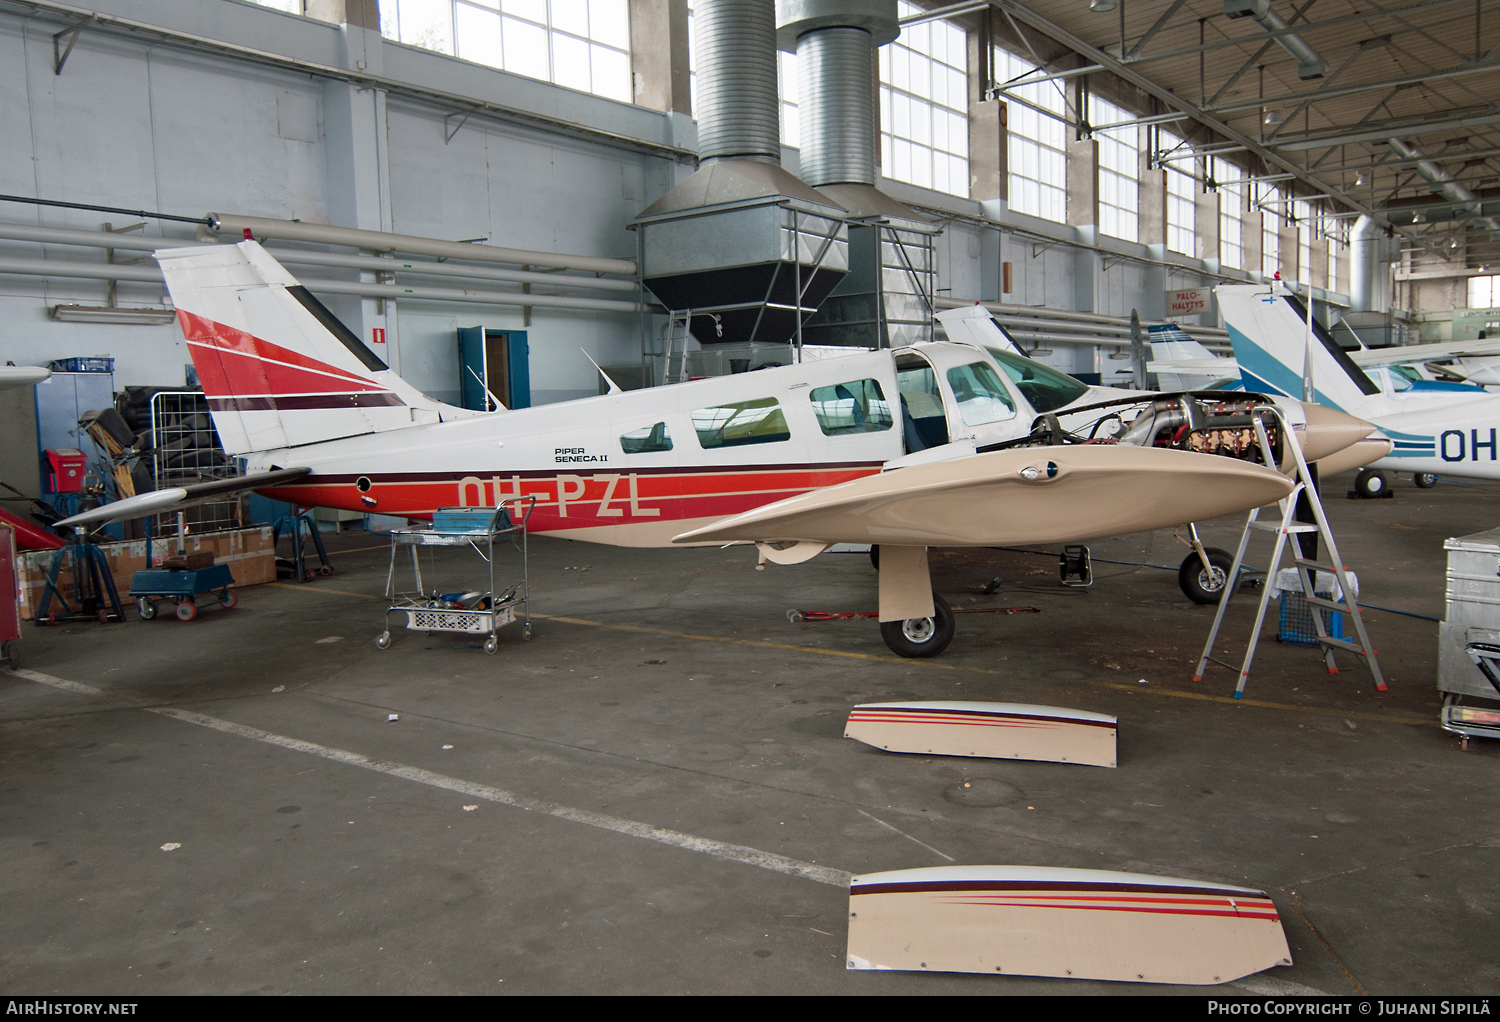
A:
x: 498, y: 406
x: 614, y: 388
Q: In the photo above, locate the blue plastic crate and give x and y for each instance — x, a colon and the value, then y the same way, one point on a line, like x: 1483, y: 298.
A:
x: 92, y: 364
x: 1296, y: 626
x: 468, y: 519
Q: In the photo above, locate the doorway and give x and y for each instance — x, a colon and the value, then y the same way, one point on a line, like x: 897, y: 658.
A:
x: 493, y: 362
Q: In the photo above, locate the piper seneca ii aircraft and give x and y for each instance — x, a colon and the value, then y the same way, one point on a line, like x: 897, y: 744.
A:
x: 952, y: 443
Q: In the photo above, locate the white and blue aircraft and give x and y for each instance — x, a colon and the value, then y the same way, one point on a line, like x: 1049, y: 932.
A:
x: 1452, y: 428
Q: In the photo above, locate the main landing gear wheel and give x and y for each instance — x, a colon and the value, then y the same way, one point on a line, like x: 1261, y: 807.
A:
x: 1200, y: 586
x: 921, y: 636
x: 875, y: 555
x: 1424, y: 480
x: 186, y: 610
x: 145, y: 608
x: 1371, y: 482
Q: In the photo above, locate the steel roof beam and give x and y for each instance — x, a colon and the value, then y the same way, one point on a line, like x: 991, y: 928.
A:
x: 1347, y: 19
x: 1354, y: 88
x: 1383, y: 133
x: 1127, y: 73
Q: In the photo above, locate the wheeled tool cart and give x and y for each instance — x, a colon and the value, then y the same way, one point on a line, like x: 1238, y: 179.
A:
x: 466, y: 613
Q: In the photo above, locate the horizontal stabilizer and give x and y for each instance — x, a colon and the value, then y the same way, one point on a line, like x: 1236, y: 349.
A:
x: 1068, y: 923
x: 1049, y: 734
x: 176, y: 498
x: 1011, y: 497
x: 22, y: 376
x: 1408, y: 354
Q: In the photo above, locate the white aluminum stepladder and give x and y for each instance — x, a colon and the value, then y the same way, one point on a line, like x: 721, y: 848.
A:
x: 1344, y: 603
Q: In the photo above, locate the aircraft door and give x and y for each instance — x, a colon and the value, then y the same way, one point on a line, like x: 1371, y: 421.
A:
x: 924, y: 423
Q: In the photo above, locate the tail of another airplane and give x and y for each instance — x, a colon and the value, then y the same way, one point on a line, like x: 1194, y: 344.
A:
x: 1269, y: 333
x: 279, y: 370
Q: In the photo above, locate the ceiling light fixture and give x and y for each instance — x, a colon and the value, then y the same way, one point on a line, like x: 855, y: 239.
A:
x: 1101, y: 6
x: 1361, y: 179
x: 107, y: 314
x: 1274, y: 119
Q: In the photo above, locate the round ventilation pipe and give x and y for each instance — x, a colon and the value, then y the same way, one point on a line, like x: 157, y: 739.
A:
x: 836, y: 104
x: 738, y: 106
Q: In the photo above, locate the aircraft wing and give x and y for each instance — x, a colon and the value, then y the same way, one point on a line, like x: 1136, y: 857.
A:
x: 1367, y: 358
x: 22, y: 376
x: 1016, y: 496
x: 176, y: 498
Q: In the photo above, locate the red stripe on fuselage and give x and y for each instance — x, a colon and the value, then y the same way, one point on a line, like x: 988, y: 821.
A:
x: 686, y: 493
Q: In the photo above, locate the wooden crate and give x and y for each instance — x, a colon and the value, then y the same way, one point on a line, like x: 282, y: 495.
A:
x: 248, y: 552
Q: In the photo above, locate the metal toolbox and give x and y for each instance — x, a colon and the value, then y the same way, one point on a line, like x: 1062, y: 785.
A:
x: 1471, y: 613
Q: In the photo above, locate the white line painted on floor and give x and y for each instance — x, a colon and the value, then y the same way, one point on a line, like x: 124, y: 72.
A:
x: 66, y: 686
x: 717, y: 849
x: 908, y: 837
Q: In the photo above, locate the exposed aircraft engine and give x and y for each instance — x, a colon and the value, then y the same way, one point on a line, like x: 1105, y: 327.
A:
x: 1206, y: 423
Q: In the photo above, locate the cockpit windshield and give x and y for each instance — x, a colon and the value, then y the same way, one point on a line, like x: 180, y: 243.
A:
x: 1044, y: 387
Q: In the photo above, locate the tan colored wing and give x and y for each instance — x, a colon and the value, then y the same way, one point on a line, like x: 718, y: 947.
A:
x: 1027, y: 495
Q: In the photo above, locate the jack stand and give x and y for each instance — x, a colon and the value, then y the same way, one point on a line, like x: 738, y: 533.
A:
x: 94, y: 595
x: 293, y: 525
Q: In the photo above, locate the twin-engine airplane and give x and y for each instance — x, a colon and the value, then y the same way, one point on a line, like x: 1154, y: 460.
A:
x: 1434, y: 427
x: 953, y: 443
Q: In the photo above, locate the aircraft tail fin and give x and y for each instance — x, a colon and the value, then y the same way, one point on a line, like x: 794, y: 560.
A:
x: 278, y: 369
x: 1269, y: 333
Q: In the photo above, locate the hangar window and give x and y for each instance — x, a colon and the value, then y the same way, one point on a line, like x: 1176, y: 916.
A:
x: 1484, y: 292
x: 1119, y: 170
x: 1036, y: 146
x: 1268, y: 200
x: 924, y: 106
x: 647, y: 439
x: 857, y: 407
x: 737, y: 423
x: 980, y: 395
x: 581, y: 44
x: 1229, y: 180
x: 1182, y: 199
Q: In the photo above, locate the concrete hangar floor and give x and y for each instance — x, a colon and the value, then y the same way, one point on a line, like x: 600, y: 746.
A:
x: 498, y: 837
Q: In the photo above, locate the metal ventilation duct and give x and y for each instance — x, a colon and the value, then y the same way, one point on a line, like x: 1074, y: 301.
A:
x: 1369, y: 267
x: 836, y: 106
x: 738, y: 106
x: 1443, y: 183
x: 1309, y: 64
x: 744, y: 249
x: 887, y: 298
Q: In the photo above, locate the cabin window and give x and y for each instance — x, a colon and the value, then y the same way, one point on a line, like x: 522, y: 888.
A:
x: 857, y: 407
x: 737, y: 423
x: 1045, y: 387
x: 647, y: 439
x: 980, y: 395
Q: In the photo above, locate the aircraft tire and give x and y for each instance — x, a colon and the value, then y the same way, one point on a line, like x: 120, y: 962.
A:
x: 921, y: 637
x: 1371, y: 482
x: 875, y: 555
x: 1196, y: 584
x: 1424, y: 480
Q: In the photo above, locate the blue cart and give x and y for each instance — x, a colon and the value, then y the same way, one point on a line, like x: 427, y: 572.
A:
x: 182, y: 588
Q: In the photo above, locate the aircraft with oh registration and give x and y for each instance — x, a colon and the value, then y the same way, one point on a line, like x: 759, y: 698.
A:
x: 932, y: 445
x: 1454, y: 430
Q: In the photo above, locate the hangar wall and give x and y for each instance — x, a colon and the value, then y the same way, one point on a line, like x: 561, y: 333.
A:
x: 145, y: 124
